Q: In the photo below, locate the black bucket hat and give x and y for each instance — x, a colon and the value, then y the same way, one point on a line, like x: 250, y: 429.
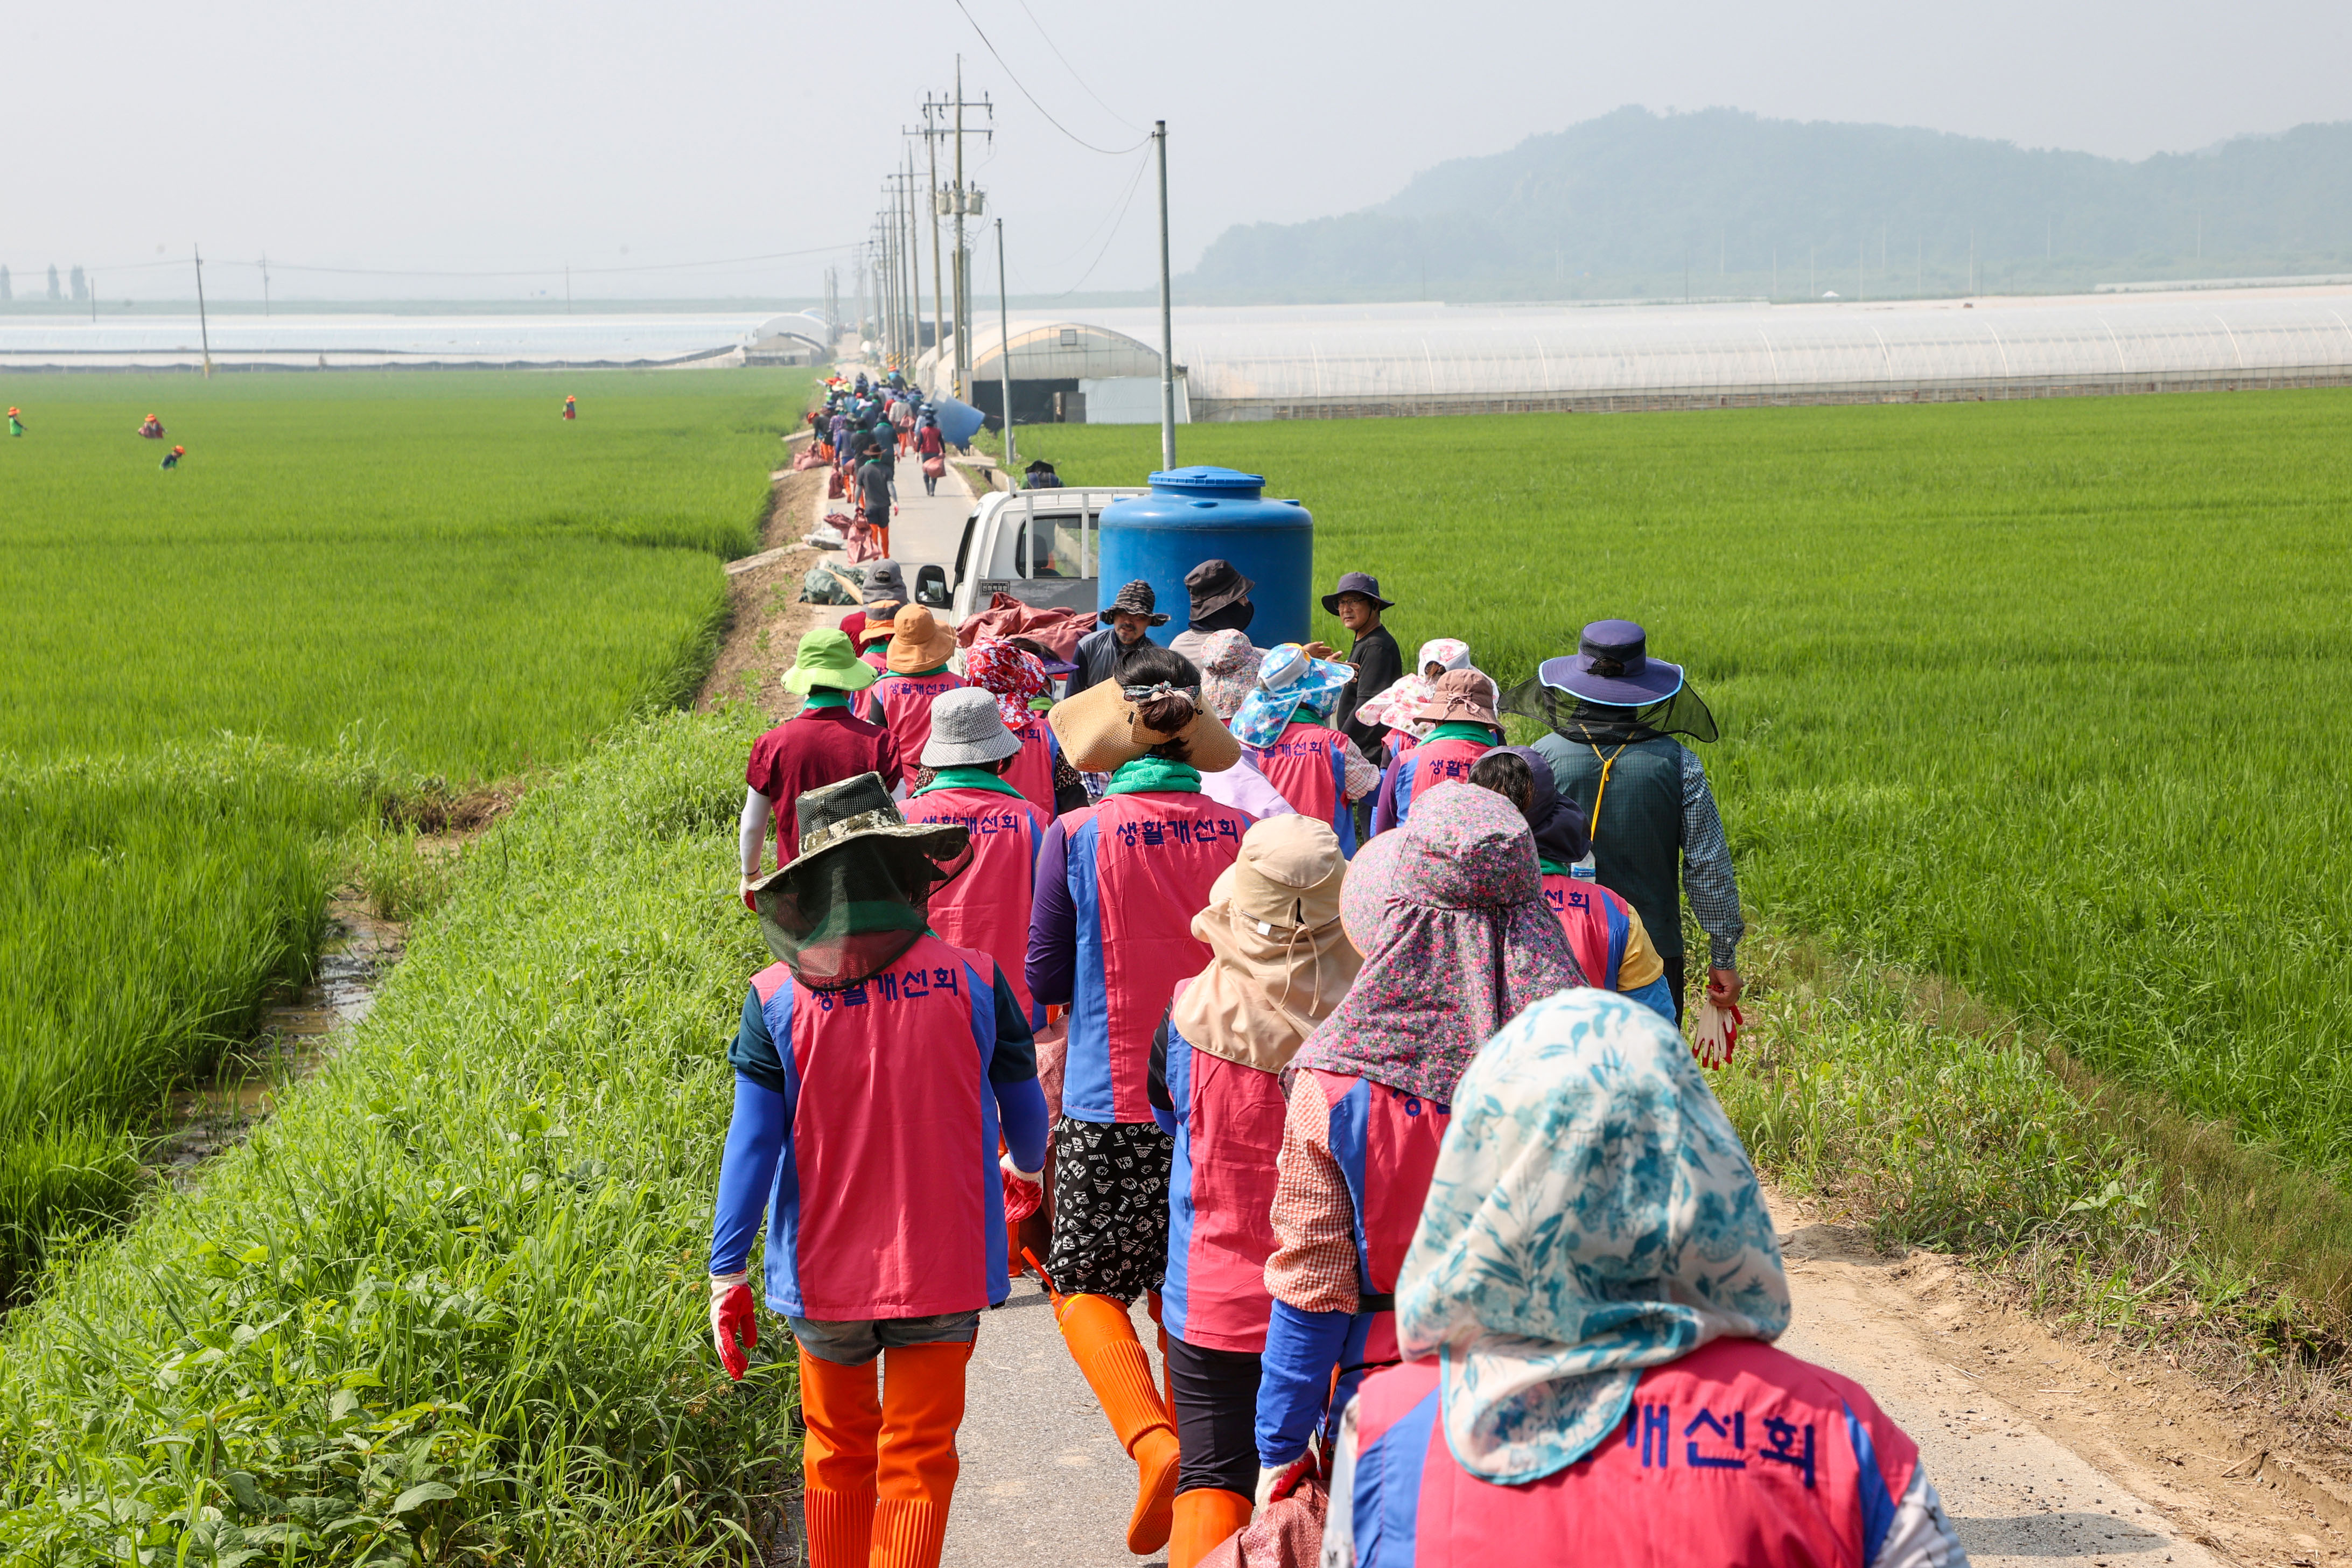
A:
x: 1214, y: 584
x: 1362, y: 582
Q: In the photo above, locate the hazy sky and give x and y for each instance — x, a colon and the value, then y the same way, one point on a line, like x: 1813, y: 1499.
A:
x: 484, y: 137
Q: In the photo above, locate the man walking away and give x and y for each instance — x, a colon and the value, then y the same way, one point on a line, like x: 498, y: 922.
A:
x: 874, y: 499
x: 1613, y: 713
x: 1125, y: 628
x: 932, y: 448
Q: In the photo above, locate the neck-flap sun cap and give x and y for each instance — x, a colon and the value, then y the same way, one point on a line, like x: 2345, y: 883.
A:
x: 854, y: 898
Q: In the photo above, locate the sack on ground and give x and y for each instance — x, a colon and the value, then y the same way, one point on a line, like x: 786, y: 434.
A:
x: 828, y: 583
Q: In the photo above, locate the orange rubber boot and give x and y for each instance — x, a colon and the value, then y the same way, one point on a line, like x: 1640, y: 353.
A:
x: 844, y: 1418
x: 1206, y: 1519
x: 1101, y: 1338
x: 923, y: 1406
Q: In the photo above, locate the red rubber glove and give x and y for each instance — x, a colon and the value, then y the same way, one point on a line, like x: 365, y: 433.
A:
x: 731, y: 1320
x: 743, y: 886
x: 1024, y: 1190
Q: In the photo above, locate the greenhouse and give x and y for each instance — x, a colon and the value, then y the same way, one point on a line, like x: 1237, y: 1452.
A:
x: 1063, y: 372
x: 1293, y: 361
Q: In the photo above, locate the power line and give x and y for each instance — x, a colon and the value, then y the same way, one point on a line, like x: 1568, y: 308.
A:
x: 524, y: 272
x: 1141, y: 164
x: 1066, y: 66
x: 1106, y: 152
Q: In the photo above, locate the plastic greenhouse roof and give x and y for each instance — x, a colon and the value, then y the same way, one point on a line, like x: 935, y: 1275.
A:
x: 1399, y: 352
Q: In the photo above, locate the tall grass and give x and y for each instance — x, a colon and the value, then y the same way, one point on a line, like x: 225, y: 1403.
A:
x: 2045, y: 697
x: 448, y: 1304
x: 435, y: 561
x: 434, y: 573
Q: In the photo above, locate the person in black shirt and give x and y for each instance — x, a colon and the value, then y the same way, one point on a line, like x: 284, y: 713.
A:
x: 1378, y: 663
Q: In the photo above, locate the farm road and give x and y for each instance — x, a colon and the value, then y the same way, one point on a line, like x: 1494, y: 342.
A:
x: 2031, y: 1478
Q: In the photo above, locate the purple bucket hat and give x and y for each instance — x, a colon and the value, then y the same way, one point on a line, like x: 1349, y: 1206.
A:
x: 1612, y: 667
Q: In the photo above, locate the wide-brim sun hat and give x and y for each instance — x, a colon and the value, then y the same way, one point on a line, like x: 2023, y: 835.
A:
x: 1216, y: 584
x: 1613, y: 667
x: 1362, y: 582
x: 826, y: 659
x: 968, y: 730
x: 853, y: 899
x: 919, y: 642
x: 1228, y: 672
x: 885, y: 583
x: 1463, y: 696
x: 1100, y: 732
x: 1135, y: 598
x: 878, y: 627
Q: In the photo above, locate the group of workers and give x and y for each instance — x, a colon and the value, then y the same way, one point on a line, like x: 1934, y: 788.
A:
x: 1360, y: 1068
x: 151, y: 427
x: 863, y: 427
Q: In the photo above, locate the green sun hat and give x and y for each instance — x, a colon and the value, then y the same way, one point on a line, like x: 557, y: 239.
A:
x: 826, y: 659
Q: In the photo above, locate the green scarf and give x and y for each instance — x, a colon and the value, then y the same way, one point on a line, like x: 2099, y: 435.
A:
x: 1147, y: 775
x: 918, y: 674
x: 1552, y: 867
x: 968, y: 778
x: 823, y: 699
x: 1306, y: 715
x: 1463, y: 730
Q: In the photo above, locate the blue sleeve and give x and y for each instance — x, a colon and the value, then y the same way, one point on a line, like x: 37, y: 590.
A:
x: 755, y: 1137
x: 1053, y: 960
x: 1384, y: 810
x: 1656, y: 996
x: 754, y: 1053
x: 1301, y: 1349
x: 1021, y: 1112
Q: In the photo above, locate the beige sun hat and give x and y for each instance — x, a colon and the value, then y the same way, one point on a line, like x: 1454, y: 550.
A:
x: 1101, y: 731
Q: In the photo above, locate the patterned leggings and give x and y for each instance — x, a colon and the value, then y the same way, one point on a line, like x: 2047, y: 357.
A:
x: 1110, y: 1207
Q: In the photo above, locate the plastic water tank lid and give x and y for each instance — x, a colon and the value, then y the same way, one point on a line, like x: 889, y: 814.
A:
x: 1207, y: 479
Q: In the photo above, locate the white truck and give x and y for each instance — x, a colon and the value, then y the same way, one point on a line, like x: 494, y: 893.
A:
x: 1042, y: 547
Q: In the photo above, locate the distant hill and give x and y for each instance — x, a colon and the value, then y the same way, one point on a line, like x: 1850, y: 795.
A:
x: 1622, y: 205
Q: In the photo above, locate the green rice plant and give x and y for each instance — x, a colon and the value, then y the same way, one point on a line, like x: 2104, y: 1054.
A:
x: 401, y: 873
x: 448, y: 1303
x: 2044, y: 696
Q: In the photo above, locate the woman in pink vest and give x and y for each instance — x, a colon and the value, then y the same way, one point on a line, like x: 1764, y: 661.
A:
x: 1455, y: 940
x: 917, y: 677
x: 1461, y: 711
x: 1282, y: 966
x: 1587, y: 1309
x: 1602, y: 929
x: 876, y: 1067
x: 1286, y: 724
x: 1118, y: 886
x: 986, y: 910
x: 1016, y: 679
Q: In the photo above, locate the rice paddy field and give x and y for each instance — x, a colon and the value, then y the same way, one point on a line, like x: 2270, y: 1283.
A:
x: 354, y: 587
x: 2047, y: 699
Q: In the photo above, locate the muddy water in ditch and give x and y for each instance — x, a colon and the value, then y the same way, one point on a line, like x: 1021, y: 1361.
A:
x: 298, y: 1034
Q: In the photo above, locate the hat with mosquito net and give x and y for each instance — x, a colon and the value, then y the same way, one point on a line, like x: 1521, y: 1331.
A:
x: 854, y: 898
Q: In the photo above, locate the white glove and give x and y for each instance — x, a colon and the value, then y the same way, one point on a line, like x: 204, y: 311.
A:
x: 1004, y: 1163
x: 1281, y: 1480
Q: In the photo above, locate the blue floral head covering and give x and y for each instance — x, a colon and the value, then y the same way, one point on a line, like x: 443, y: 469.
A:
x: 1593, y: 1214
x: 1287, y: 680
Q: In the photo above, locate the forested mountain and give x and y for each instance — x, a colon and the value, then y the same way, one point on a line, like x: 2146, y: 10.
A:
x: 1721, y: 202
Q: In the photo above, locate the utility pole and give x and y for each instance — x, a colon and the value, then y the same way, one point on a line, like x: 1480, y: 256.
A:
x: 92, y: 278
x: 931, y: 207
x: 265, y: 287
x: 204, y: 321
x: 1004, y: 358
x: 914, y: 263
x: 960, y: 201
x: 1167, y: 319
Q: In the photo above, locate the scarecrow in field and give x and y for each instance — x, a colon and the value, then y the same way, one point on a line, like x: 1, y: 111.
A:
x: 172, y: 458
x: 868, y: 1053
x: 571, y: 407
x: 1613, y: 713
x: 16, y: 422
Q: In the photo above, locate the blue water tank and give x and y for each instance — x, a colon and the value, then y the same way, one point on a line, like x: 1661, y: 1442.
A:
x: 1200, y: 514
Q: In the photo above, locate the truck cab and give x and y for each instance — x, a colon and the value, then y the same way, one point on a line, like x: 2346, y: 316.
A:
x: 1039, y: 546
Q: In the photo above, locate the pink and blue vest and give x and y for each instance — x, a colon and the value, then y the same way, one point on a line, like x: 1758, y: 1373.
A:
x: 1385, y: 1144
x: 1430, y: 763
x: 986, y: 910
x: 1032, y: 772
x: 1737, y: 1453
x: 1595, y: 922
x: 1220, y: 1199
x: 1307, y: 768
x: 891, y: 1135
x: 904, y: 703
x: 1140, y: 868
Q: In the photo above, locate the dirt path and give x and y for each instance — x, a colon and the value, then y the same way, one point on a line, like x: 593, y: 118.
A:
x: 767, y: 617
x: 2046, y: 1450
